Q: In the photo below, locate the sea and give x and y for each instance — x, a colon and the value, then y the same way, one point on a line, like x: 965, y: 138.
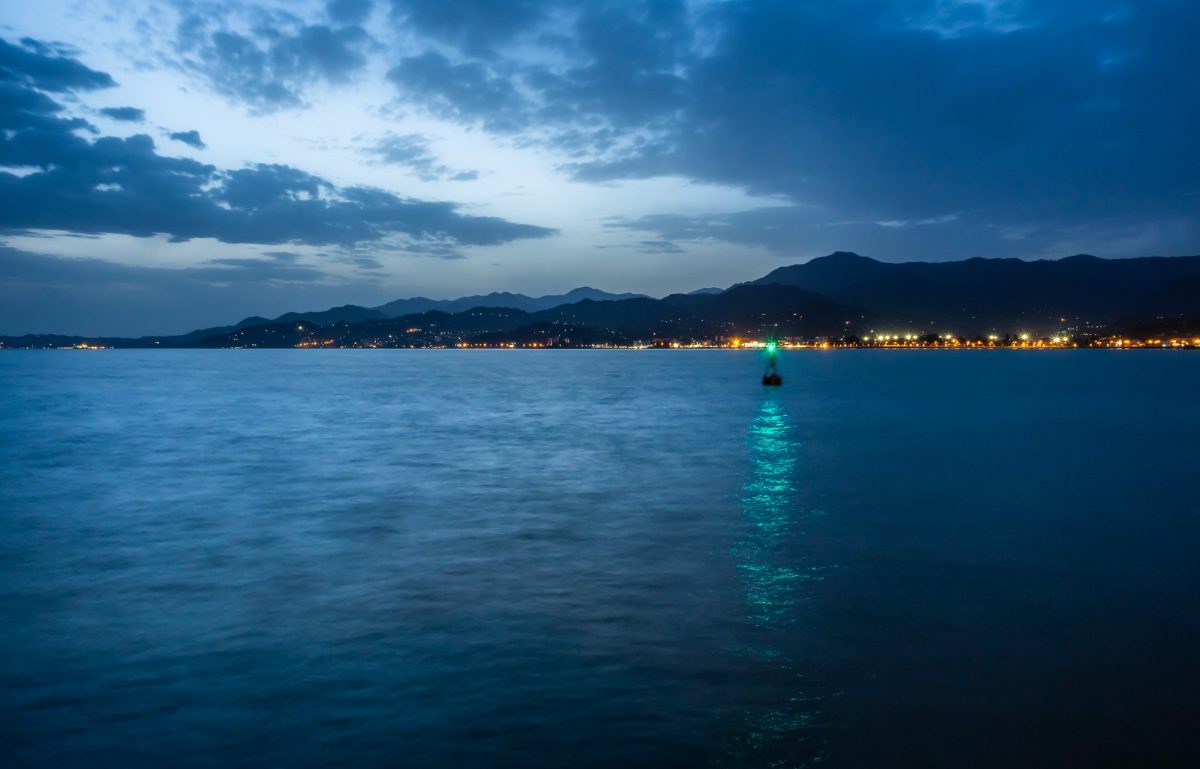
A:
x: 599, y: 558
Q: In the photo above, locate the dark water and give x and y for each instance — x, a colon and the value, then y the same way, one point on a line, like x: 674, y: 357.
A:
x: 599, y: 559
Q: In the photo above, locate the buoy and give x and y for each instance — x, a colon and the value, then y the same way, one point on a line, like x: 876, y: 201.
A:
x: 771, y: 378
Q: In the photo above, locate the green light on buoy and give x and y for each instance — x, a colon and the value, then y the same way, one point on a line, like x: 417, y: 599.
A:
x: 771, y: 377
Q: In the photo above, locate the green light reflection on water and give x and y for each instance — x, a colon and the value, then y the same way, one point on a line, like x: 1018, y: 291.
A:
x: 775, y: 575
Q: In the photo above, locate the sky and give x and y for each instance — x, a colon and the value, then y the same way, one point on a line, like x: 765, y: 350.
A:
x: 171, y: 165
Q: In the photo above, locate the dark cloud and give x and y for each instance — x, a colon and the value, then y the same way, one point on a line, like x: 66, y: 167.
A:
x: 658, y: 247
x: 468, y: 91
x: 124, y: 114
x: 190, y: 138
x: 320, y: 51
x: 475, y: 26
x: 412, y: 151
x: 262, y: 186
x: 115, y: 185
x: 47, y: 68
x: 435, y: 250
x: 269, y: 67
x: 280, y: 266
x: 618, y: 67
x: 48, y: 294
x: 25, y: 114
x: 348, y: 11
x: 21, y: 265
x: 614, y: 63
x: 846, y: 107
x: 631, y: 71
x: 357, y: 258
x: 800, y: 232
x: 1022, y: 117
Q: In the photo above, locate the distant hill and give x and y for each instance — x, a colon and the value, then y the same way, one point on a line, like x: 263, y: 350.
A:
x: 741, y: 311
x: 353, y: 313
x: 835, y: 296
x: 981, y: 295
x: 774, y: 309
x: 347, y: 313
x: 417, y: 304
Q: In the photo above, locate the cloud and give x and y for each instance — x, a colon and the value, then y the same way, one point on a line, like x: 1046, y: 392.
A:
x: 269, y: 65
x: 582, y: 68
x: 124, y: 114
x: 49, y: 294
x: 1051, y: 116
x: 861, y: 112
x: 190, y: 138
x: 412, y: 151
x: 802, y: 232
x: 943, y: 219
x: 123, y: 185
x: 21, y: 265
x: 47, y: 67
x: 475, y: 26
x: 348, y: 11
x: 279, y: 266
x: 658, y: 247
x: 467, y: 92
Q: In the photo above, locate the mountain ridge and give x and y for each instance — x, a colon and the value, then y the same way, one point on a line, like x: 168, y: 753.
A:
x: 975, y: 295
x: 399, y: 307
x: 841, y: 294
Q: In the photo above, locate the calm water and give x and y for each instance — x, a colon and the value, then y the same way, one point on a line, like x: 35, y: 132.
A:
x: 599, y: 559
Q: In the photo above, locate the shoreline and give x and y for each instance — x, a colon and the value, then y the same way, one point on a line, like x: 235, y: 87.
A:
x: 519, y: 348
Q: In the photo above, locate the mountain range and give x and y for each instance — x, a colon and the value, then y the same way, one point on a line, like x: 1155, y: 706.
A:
x: 353, y: 313
x: 839, y: 295
x: 983, y: 295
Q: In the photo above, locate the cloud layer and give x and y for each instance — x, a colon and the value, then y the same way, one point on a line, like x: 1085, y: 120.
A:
x: 1013, y: 119
x: 117, y: 185
x: 46, y: 294
x: 268, y: 62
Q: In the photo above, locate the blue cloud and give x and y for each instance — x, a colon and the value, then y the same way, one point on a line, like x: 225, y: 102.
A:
x: 466, y: 91
x: 190, y: 138
x: 46, y: 67
x: 269, y: 67
x: 1045, y: 118
x: 348, y: 11
x: 123, y: 185
x: 49, y: 294
x: 124, y: 114
x: 412, y: 151
x: 475, y: 26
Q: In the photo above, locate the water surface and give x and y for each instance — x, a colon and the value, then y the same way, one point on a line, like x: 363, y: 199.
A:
x: 599, y: 559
